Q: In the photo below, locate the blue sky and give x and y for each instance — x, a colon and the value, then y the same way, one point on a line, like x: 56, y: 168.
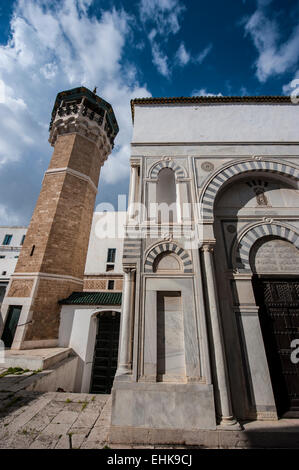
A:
x: 131, y: 48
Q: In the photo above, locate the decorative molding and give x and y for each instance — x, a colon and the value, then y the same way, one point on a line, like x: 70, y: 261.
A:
x: 246, y: 241
x: 55, y: 277
x: 207, y: 166
x: 179, y: 171
x: 75, y: 173
x: 238, y: 168
x: 79, y: 119
x: 168, y: 247
x: 220, y: 143
x: 208, y: 247
x: 168, y: 237
x: 246, y: 310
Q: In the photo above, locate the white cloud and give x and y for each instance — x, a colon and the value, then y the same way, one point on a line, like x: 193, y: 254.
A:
x: 244, y: 91
x: 160, y: 60
x: 204, y: 92
x: 163, y: 13
x: 8, y: 217
x: 201, y: 57
x: 56, y: 46
x: 274, y: 57
x: 183, y: 57
x: 161, y: 17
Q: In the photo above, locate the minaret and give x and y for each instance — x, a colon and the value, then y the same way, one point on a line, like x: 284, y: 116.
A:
x: 52, y: 261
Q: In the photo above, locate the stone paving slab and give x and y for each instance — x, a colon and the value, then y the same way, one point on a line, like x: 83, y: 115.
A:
x: 51, y: 420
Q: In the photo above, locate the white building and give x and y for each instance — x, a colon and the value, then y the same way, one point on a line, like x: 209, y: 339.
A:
x: 207, y: 327
x: 11, y: 241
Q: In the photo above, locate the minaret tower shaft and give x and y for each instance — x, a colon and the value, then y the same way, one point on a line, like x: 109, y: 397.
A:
x: 52, y: 261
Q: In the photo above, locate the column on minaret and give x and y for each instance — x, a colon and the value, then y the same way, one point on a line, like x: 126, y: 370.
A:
x: 223, y: 388
x: 124, y: 367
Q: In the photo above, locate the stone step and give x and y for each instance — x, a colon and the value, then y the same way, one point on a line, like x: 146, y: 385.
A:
x: 34, y: 359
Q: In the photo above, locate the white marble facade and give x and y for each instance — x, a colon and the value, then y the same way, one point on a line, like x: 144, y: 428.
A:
x: 191, y: 349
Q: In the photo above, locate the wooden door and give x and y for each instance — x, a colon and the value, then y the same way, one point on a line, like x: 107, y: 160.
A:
x: 11, y: 324
x: 106, y: 352
x: 279, y: 316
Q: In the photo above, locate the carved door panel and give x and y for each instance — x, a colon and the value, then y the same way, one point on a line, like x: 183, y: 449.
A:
x: 279, y: 316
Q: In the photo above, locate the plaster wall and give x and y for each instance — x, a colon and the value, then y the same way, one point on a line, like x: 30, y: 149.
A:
x: 215, y: 123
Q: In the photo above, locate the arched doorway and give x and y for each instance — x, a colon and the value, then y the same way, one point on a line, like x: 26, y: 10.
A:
x: 105, y: 352
x: 277, y: 296
x: 249, y: 205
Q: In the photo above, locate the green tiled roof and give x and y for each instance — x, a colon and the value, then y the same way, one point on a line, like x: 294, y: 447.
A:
x: 93, y: 298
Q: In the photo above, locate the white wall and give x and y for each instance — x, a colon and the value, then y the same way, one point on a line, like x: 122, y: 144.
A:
x: 216, y: 123
x: 11, y: 251
x: 106, y: 232
x: 77, y: 330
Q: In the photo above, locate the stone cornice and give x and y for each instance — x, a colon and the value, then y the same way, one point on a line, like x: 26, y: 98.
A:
x: 80, y: 120
x: 75, y: 173
x: 56, y: 277
x: 94, y: 102
x: 212, y: 144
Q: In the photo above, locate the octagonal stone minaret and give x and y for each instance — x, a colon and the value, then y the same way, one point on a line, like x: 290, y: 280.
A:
x: 52, y: 261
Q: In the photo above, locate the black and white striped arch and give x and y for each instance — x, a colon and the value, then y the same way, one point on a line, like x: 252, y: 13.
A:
x: 221, y: 178
x: 168, y: 247
x: 178, y: 170
x: 257, y: 232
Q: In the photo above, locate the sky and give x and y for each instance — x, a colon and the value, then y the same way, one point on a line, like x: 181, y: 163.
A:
x: 128, y: 49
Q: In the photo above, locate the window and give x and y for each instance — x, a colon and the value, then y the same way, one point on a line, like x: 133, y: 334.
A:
x: 111, y: 255
x: 7, y: 239
x: 109, y: 267
x: 16, y: 256
x: 3, y: 273
x: 23, y: 238
x: 2, y: 256
x: 110, y: 285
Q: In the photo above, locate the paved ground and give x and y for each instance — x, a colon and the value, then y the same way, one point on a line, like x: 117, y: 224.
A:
x: 59, y: 420
x: 51, y: 420
x: 35, y: 420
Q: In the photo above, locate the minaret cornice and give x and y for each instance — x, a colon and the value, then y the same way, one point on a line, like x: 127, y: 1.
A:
x: 82, y: 112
